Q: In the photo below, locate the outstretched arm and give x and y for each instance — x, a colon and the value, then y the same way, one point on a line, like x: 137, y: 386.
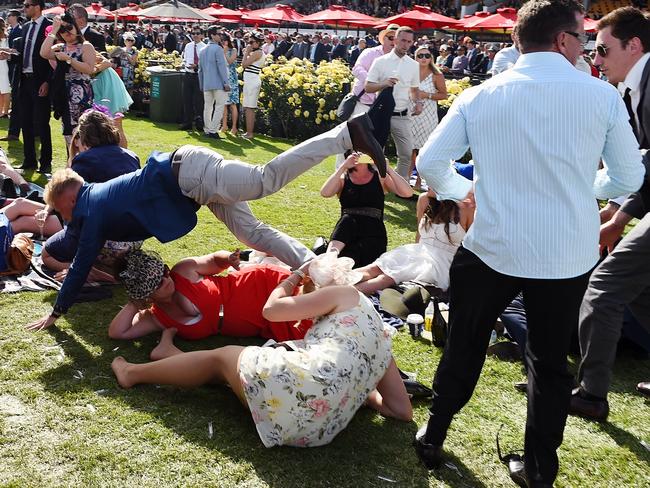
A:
x: 195, y: 268
x: 131, y: 323
x: 394, y: 183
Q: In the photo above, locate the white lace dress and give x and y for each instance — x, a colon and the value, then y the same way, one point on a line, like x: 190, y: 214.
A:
x: 305, y: 397
x: 5, y: 86
x: 427, y: 261
x: 424, y: 123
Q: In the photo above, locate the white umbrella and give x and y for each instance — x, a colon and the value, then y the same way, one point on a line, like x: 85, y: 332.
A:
x: 174, y: 10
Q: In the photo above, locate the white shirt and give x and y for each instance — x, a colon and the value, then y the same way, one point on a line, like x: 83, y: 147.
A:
x: 633, y: 82
x: 405, y: 69
x: 504, y: 59
x: 33, y: 32
x: 536, y: 137
x: 188, y: 54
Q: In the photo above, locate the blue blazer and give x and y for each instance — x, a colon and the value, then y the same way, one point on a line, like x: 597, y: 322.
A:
x: 213, y: 71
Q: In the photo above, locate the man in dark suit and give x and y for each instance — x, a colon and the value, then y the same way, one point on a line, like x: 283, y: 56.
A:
x: 474, y: 56
x: 340, y: 50
x: 299, y: 49
x: 283, y: 46
x: 33, y: 75
x: 317, y: 51
x: 15, y: 32
x: 622, y: 280
x: 92, y: 36
x: 171, y: 42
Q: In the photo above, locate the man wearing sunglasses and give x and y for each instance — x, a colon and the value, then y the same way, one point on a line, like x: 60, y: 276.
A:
x: 622, y: 280
x: 537, y: 138
x: 192, y: 94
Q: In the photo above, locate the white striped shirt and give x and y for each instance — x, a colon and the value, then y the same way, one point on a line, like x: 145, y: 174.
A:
x: 537, y: 133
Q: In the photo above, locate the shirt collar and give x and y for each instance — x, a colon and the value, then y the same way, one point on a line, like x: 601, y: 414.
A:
x: 633, y: 78
x: 551, y: 59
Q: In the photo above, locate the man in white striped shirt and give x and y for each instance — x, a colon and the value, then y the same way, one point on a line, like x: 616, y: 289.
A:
x: 537, y: 133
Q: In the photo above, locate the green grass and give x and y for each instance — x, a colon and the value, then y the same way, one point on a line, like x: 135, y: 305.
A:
x: 65, y: 422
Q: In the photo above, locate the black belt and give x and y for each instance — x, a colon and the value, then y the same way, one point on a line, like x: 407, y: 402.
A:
x: 175, y: 161
x: 28, y: 75
x: 375, y: 213
x: 401, y: 114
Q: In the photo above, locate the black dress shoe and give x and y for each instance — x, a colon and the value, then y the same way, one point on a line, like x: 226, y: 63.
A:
x: 363, y: 140
x: 505, y: 351
x: 185, y: 127
x: 521, y: 386
x: 9, y: 137
x: 430, y: 455
x: 417, y: 390
x: 591, y: 409
x: 213, y: 135
x: 45, y: 169
x: 27, y: 166
x: 517, y: 470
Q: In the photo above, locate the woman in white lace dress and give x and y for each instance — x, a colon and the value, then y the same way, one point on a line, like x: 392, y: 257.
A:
x: 5, y: 86
x: 432, y: 88
x: 304, y: 394
x: 441, y: 228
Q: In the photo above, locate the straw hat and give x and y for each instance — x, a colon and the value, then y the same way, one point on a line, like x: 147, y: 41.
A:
x: 389, y: 28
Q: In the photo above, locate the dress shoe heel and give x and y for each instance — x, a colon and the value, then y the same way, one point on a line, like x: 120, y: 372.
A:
x: 428, y: 454
x: 587, y: 408
x: 363, y: 140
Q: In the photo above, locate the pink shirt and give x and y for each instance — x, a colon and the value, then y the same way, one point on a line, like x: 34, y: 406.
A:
x: 360, y: 72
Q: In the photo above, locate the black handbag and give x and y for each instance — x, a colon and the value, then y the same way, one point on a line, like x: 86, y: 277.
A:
x: 346, y: 107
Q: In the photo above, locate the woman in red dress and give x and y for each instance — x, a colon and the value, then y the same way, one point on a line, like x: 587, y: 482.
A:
x: 198, y: 303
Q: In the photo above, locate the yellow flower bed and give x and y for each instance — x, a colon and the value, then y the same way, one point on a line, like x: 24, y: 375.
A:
x: 299, y: 99
x: 454, y: 88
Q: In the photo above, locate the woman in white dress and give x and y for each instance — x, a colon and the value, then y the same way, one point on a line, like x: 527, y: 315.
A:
x: 252, y: 63
x: 304, y: 393
x: 5, y: 86
x: 432, y: 88
x: 441, y: 228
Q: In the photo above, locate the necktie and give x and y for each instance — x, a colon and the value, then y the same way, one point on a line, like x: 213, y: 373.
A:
x: 196, y: 54
x: 27, y: 62
x: 628, y: 105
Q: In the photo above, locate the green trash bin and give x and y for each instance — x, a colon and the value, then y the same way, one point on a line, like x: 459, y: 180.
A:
x: 166, y: 101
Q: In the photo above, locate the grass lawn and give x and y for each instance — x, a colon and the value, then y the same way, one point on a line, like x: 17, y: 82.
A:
x: 65, y: 422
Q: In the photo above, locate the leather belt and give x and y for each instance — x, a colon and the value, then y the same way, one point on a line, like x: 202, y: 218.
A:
x: 374, y: 213
x: 28, y: 75
x: 403, y: 113
x: 175, y: 161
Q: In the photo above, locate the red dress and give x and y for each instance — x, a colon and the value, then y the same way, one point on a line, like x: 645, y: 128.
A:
x: 243, y: 294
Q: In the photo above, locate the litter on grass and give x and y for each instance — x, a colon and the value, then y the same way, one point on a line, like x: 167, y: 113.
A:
x: 210, y: 430
x: 383, y: 478
x: 646, y: 445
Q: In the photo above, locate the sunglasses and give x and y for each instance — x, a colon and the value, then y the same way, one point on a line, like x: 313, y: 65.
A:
x: 65, y: 28
x: 390, y: 38
x: 582, y: 38
x: 601, y: 49
x: 424, y: 56
x: 197, y: 33
x: 27, y: 5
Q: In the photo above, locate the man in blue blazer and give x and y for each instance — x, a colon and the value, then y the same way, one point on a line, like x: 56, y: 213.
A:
x: 161, y: 200
x: 213, y: 81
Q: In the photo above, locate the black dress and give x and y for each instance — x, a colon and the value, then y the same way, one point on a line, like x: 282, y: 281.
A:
x: 361, y: 226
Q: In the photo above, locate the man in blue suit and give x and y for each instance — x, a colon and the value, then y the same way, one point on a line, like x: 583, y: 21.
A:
x: 213, y: 81
x: 161, y: 200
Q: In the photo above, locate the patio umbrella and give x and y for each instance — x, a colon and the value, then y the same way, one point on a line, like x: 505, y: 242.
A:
x: 467, y: 22
x: 222, y: 13
x: 96, y: 11
x: 338, y: 15
x: 421, y: 17
x: 129, y: 12
x: 176, y: 11
x: 56, y: 10
x: 591, y: 25
x: 505, y: 19
x: 277, y: 14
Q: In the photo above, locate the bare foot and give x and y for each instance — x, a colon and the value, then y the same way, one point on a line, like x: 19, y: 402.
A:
x: 166, y: 347
x: 120, y: 366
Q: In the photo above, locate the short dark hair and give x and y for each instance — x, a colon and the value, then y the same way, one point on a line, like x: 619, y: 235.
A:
x: 97, y: 129
x: 540, y: 21
x: 404, y: 28
x: 14, y: 13
x: 626, y: 23
x: 40, y: 3
x: 78, y: 10
x: 213, y: 30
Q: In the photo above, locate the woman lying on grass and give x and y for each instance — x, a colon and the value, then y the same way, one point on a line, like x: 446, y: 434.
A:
x: 192, y: 299
x: 305, y: 396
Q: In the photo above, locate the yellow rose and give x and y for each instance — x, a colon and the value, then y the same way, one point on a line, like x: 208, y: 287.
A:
x: 297, y: 112
x: 305, y: 113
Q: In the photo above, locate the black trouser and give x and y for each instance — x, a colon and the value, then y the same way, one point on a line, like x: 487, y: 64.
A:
x: 14, y: 118
x: 478, y: 295
x: 192, y: 99
x: 35, y: 122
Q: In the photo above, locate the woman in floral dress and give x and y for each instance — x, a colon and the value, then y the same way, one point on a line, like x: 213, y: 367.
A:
x: 305, y: 392
x: 233, y: 80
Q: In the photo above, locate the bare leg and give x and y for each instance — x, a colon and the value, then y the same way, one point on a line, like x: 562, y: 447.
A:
x: 369, y: 271
x: 234, y: 115
x: 390, y: 398
x: 250, y: 121
x: 187, y: 370
x: 4, y: 103
x: 224, y: 122
x: 166, y: 347
x: 53, y: 264
x: 375, y: 284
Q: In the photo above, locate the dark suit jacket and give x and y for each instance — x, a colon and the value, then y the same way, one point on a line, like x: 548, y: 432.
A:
x: 340, y: 52
x: 42, y: 68
x: 170, y: 42
x: 96, y: 39
x: 639, y: 203
x: 298, y: 50
x: 281, y: 49
x: 14, y: 34
x: 321, y: 53
x: 475, y: 62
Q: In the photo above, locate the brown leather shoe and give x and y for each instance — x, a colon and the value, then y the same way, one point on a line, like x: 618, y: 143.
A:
x: 644, y: 387
x: 430, y: 455
x: 9, y: 137
x: 597, y: 410
x: 364, y: 141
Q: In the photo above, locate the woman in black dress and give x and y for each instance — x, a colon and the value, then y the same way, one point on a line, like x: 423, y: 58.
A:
x: 360, y: 233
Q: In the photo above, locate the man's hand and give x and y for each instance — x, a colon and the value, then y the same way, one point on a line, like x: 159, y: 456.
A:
x: 417, y: 110
x: 390, y: 82
x: 610, y: 232
x: 608, y: 211
x: 43, y: 89
x: 41, y: 324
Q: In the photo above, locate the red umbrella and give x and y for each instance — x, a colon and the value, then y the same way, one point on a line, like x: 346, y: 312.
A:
x: 96, y: 11
x: 505, y: 18
x: 591, y: 25
x: 276, y: 14
x: 222, y: 13
x: 56, y: 10
x: 469, y: 21
x: 337, y: 14
x: 421, y: 17
x: 129, y: 12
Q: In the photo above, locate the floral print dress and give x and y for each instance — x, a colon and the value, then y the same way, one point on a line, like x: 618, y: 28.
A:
x: 233, y: 81
x: 79, y: 90
x: 305, y: 397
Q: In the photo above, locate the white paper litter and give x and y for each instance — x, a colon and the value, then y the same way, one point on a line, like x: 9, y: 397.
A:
x: 210, y: 430
x: 383, y: 478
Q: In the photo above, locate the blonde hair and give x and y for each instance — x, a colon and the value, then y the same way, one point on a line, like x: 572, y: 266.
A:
x: 328, y: 269
x: 61, y: 181
x: 432, y: 62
